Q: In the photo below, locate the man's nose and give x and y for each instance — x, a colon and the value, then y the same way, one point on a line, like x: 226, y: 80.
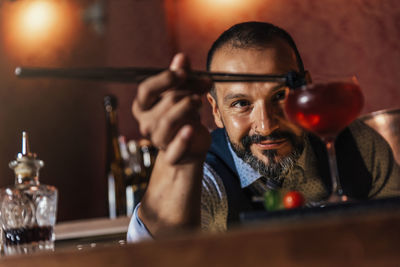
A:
x: 264, y: 121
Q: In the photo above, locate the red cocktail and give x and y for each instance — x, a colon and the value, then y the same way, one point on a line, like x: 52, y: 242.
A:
x: 326, y: 109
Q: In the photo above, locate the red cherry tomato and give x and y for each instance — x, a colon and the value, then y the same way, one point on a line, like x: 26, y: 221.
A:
x: 293, y: 199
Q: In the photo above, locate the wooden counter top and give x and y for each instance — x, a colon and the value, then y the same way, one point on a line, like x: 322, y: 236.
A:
x: 92, y: 227
x: 365, y: 240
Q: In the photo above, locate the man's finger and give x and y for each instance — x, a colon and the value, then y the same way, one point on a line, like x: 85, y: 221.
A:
x: 197, y: 85
x: 168, y: 124
x: 180, y: 61
x: 179, y: 145
x: 149, y: 91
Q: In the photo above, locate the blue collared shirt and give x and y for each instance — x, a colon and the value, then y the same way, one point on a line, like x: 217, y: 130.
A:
x: 247, y: 174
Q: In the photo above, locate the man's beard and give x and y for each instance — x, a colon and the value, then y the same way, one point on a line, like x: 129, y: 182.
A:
x: 276, y: 168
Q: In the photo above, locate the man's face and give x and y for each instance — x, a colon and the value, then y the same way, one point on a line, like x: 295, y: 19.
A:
x: 252, y: 113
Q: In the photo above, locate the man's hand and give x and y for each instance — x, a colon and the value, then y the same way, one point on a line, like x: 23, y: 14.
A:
x: 167, y: 109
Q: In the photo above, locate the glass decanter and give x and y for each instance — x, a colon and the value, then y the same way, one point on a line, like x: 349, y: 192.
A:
x: 28, y: 208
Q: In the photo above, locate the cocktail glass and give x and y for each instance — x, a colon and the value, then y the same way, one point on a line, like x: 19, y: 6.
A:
x: 325, y: 109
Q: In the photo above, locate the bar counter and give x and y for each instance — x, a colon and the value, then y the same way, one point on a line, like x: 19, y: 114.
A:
x: 360, y: 239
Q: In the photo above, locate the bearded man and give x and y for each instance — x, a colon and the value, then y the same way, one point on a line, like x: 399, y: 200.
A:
x: 208, y: 180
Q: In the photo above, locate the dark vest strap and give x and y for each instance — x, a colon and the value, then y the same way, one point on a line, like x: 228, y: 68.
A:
x: 355, y: 178
x: 220, y: 159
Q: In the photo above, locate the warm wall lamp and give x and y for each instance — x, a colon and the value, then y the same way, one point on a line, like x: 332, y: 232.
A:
x: 30, y: 28
x: 222, y: 12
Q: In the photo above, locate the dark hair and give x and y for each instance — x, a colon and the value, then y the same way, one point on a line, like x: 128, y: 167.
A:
x: 252, y: 34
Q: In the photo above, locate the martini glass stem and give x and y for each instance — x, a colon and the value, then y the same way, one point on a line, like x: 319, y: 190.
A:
x: 337, y: 191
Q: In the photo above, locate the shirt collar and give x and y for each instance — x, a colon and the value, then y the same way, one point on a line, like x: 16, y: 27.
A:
x: 247, y: 175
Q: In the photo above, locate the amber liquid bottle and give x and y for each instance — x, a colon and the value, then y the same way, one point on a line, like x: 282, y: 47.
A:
x: 114, y: 162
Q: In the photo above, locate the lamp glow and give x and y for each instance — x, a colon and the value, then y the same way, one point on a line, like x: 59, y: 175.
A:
x: 38, y: 19
x: 39, y: 16
x: 30, y: 27
x: 226, y: 12
x: 229, y: 4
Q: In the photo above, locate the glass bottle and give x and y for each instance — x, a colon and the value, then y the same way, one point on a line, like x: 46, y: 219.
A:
x: 114, y: 162
x: 134, y: 172
x: 145, y: 154
x: 149, y: 154
x: 28, y: 208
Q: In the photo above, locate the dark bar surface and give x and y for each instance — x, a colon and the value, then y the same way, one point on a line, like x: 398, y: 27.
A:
x: 368, y: 238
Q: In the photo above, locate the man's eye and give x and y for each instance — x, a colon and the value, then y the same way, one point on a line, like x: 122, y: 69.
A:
x: 240, y: 104
x: 279, y: 96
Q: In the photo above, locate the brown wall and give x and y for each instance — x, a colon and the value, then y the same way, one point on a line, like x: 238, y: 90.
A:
x: 63, y: 118
x: 136, y: 36
x: 66, y: 118
x: 335, y: 37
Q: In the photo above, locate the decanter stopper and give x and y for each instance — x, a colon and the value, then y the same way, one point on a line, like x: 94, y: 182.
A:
x: 27, y: 165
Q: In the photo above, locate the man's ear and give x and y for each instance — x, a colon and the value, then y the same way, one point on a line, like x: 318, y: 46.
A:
x: 215, y: 111
x: 307, y: 76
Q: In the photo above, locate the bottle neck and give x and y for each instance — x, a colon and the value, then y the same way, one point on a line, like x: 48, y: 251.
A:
x: 27, y: 180
x: 27, y: 172
x: 113, y: 148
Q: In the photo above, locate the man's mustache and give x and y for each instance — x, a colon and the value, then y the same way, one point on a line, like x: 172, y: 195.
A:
x: 256, y: 138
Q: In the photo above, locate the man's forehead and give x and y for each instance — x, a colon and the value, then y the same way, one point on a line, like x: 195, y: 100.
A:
x: 274, y: 57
